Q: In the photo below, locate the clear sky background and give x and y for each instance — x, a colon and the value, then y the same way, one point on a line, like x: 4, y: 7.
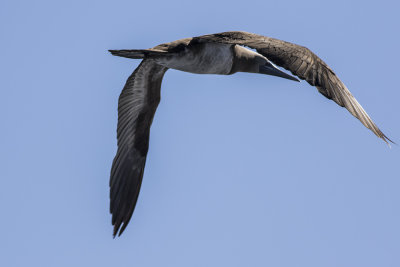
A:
x: 243, y: 170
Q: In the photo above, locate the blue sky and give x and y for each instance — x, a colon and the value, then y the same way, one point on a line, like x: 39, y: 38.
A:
x: 243, y: 170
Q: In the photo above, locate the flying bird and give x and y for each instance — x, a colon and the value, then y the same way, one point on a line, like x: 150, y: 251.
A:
x: 222, y: 53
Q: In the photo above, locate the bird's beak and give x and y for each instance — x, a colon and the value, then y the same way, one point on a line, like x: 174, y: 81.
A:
x: 270, y: 69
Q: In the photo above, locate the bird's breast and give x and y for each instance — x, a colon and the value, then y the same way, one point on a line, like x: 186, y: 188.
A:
x: 203, y: 58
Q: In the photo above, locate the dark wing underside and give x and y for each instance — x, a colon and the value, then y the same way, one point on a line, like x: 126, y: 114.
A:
x: 136, y: 107
x: 302, y: 63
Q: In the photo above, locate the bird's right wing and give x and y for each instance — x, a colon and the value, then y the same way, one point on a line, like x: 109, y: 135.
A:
x: 304, y: 64
x: 136, y: 107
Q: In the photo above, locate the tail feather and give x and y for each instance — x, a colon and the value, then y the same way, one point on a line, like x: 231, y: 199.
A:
x: 135, y: 53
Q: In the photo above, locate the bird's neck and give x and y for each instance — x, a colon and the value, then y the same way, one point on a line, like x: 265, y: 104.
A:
x: 246, y: 60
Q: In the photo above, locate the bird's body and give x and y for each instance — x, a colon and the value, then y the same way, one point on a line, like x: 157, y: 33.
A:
x: 206, y: 58
x: 223, y: 54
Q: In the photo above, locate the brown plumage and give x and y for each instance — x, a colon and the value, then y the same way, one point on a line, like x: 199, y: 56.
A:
x: 136, y: 107
x: 220, y: 53
x: 304, y: 64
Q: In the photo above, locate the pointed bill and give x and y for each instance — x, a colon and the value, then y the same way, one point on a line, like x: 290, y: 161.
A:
x: 270, y: 69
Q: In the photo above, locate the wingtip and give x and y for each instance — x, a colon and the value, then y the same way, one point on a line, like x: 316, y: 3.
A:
x: 388, y: 141
x: 118, y: 229
x: 115, y: 231
x: 116, y: 226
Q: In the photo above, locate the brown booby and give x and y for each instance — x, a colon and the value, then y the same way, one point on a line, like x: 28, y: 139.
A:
x: 221, y: 53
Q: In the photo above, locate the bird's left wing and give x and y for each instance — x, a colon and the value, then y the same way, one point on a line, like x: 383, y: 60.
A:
x: 136, y: 107
x: 304, y: 64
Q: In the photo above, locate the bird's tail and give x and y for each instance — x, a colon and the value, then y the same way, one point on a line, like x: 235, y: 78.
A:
x: 136, y: 53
